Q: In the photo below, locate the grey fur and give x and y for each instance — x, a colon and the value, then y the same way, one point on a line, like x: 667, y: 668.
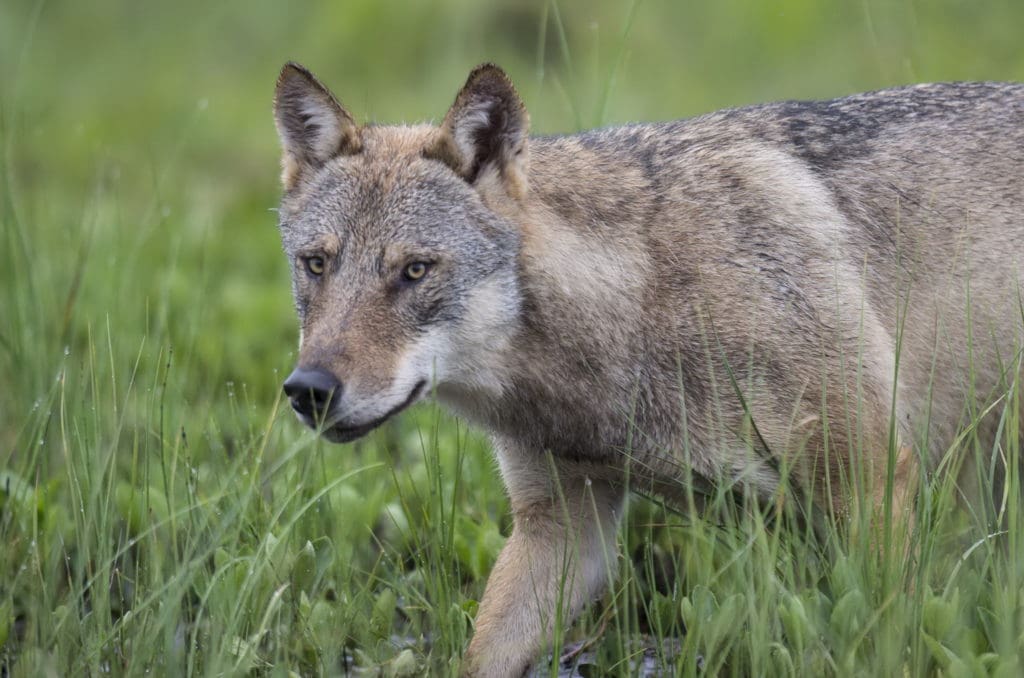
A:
x: 629, y: 300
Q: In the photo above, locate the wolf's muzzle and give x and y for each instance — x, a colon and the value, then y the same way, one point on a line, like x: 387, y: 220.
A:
x: 312, y: 392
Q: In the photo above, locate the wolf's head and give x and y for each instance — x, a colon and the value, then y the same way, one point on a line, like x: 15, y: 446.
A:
x: 404, y: 259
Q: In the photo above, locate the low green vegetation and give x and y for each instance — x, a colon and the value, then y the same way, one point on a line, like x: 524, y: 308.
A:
x: 162, y: 513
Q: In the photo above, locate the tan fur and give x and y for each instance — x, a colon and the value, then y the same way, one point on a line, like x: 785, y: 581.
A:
x: 784, y: 294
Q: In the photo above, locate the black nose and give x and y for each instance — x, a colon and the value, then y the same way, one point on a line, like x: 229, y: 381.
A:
x: 312, y: 392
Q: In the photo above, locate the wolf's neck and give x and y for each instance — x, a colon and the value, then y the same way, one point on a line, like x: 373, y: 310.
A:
x: 580, y: 334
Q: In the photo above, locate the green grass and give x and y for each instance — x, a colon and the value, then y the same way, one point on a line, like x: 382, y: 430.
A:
x: 160, y: 510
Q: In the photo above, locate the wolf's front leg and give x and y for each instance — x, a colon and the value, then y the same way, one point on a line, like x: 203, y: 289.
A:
x: 560, y: 557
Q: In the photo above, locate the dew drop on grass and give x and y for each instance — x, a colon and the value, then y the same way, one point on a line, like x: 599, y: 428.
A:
x: 67, y: 350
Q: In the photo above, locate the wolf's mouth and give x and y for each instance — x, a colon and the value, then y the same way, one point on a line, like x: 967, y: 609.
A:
x: 339, y: 433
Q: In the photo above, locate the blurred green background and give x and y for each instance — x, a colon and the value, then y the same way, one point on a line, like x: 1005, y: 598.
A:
x: 145, y: 310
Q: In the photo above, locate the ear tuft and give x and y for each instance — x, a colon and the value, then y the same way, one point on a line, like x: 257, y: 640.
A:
x: 486, y: 126
x: 312, y: 125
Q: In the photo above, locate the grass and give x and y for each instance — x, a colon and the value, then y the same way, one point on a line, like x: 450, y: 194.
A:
x: 161, y: 512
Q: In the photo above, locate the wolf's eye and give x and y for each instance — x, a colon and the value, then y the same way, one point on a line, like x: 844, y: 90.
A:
x: 415, y: 270
x: 315, y: 265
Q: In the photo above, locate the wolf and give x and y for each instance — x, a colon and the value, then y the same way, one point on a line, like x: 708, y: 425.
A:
x: 801, y: 293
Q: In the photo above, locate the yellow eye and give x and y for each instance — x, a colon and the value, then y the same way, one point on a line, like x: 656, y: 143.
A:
x: 315, y: 265
x: 415, y: 270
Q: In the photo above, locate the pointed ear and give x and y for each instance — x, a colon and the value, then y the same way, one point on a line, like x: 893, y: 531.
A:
x: 312, y: 125
x: 487, y: 126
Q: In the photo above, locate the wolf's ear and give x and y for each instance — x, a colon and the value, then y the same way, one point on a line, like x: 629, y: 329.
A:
x: 312, y: 125
x: 487, y: 126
